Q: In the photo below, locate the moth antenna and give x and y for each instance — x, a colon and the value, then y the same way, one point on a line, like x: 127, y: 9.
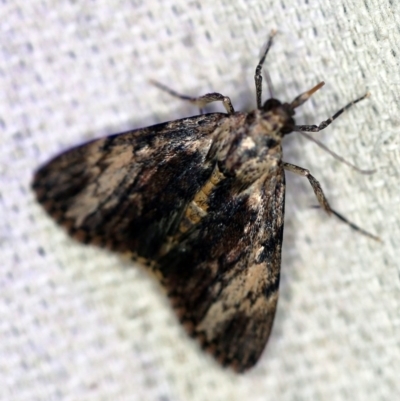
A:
x: 335, y: 155
x: 267, y: 77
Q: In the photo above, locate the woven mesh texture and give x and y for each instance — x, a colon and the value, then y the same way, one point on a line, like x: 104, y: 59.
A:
x: 78, y: 323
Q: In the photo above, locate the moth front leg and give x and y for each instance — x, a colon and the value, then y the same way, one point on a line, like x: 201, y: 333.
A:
x: 200, y: 101
x: 324, y: 124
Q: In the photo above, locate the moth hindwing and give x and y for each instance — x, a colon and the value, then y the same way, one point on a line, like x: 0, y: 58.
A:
x: 202, y: 200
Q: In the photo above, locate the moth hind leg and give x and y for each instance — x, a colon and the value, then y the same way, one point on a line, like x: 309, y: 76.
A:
x: 323, y: 202
x: 200, y: 101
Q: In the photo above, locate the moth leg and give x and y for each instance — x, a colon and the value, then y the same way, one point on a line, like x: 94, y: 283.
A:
x: 324, y: 124
x: 257, y: 74
x: 200, y: 101
x: 316, y: 186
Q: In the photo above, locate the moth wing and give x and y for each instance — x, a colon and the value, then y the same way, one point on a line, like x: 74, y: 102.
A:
x: 223, y: 278
x: 128, y: 191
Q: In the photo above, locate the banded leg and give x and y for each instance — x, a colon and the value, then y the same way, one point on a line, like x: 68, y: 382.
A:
x: 324, y: 124
x: 316, y: 186
x: 257, y: 75
x: 201, y: 101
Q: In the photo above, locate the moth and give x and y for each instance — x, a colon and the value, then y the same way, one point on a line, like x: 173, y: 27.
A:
x: 201, y: 200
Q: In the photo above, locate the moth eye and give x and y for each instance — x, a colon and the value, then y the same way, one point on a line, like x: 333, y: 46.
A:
x: 289, y: 126
x: 271, y: 104
x: 271, y: 143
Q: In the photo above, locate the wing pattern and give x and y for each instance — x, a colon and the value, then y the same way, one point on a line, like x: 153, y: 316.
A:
x: 202, y: 199
x: 128, y: 191
x: 223, y: 277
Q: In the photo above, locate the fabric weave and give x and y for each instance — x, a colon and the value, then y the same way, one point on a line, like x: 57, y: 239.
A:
x: 81, y: 324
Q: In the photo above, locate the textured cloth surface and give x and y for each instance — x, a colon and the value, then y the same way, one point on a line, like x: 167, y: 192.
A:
x: 78, y: 323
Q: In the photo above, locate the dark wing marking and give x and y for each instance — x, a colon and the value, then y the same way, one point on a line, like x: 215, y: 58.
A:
x: 223, y: 277
x: 128, y: 191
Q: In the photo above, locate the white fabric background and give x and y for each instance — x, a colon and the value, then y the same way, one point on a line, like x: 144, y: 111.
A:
x: 78, y: 323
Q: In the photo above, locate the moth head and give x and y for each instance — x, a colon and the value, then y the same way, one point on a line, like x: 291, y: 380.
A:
x: 285, y: 112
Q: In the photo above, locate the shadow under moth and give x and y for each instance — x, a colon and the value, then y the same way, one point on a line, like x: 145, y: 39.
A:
x: 201, y: 200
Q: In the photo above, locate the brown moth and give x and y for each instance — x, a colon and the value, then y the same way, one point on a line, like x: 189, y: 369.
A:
x: 201, y: 199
